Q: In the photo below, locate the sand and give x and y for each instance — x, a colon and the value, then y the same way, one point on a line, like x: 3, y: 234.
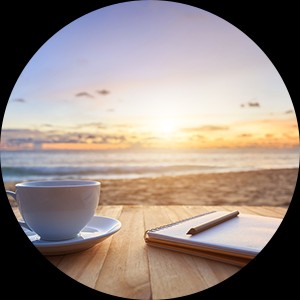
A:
x: 265, y: 187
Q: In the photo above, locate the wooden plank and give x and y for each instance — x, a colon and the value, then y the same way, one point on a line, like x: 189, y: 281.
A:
x: 85, y: 266
x: 268, y: 211
x: 181, y: 212
x: 175, y: 274
x: 17, y: 212
x: 125, y: 272
x: 124, y: 266
x: 112, y: 211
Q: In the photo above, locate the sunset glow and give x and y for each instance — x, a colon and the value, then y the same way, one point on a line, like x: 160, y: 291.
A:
x: 174, y: 76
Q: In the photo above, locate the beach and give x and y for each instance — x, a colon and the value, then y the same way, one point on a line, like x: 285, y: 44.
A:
x: 272, y: 187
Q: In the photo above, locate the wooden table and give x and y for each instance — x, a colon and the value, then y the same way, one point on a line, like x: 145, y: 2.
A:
x: 123, y: 265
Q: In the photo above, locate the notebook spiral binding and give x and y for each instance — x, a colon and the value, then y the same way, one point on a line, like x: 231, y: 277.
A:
x: 175, y: 223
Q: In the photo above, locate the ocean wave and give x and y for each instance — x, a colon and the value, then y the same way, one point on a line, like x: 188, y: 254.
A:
x: 109, y: 172
x: 43, y: 165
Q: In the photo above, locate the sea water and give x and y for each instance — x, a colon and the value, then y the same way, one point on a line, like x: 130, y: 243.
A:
x: 26, y: 165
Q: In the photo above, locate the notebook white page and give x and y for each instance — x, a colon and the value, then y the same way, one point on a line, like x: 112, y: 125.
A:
x: 246, y: 233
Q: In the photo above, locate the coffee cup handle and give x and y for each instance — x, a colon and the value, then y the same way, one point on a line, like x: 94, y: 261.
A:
x: 13, y: 194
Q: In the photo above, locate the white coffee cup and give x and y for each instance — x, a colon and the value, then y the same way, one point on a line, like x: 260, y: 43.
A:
x: 57, y: 209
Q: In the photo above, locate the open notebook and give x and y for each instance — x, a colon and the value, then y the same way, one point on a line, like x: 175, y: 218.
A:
x: 235, y: 241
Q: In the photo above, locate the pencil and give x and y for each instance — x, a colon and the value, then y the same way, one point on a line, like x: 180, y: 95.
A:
x: 212, y: 223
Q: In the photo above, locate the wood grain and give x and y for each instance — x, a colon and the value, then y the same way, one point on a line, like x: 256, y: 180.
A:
x: 123, y: 265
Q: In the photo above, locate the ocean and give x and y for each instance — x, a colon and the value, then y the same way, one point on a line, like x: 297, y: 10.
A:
x: 18, y: 166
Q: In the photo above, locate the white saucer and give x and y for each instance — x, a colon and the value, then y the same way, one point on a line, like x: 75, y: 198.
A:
x: 97, y: 230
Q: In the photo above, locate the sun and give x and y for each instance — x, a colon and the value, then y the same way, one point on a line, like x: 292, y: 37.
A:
x: 164, y: 128
x: 167, y: 127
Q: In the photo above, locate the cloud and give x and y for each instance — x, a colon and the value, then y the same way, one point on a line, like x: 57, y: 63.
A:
x: 213, y: 128
x: 97, y: 125
x: 47, y: 125
x: 245, y: 135
x: 84, y: 94
x: 290, y: 111
x: 19, y: 133
x: 197, y: 137
x: 103, y: 92
x: 19, y: 100
x: 20, y: 138
x: 251, y: 104
x: 206, y: 128
x: 113, y: 139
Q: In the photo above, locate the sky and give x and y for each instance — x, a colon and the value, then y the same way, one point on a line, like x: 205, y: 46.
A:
x: 149, y: 74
